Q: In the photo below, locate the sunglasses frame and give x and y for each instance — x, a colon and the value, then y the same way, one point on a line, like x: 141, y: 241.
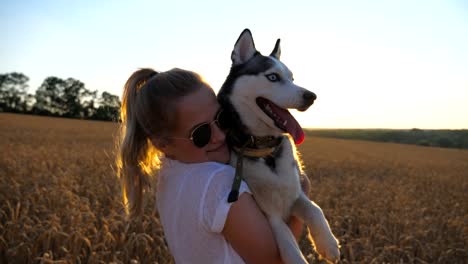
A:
x: 193, y: 131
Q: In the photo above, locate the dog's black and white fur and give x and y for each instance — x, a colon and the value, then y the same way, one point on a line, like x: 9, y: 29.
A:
x: 255, y: 95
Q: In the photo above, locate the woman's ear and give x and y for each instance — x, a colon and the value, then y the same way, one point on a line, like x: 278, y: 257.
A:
x: 160, y: 143
x: 163, y: 145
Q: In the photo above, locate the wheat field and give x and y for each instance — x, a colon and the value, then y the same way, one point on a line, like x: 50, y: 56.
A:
x: 60, y: 198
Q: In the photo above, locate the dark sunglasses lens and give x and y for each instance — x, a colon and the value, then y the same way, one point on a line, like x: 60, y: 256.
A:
x: 222, y: 120
x: 201, y: 135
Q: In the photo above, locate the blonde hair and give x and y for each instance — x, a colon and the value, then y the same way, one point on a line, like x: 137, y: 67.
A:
x: 147, y: 113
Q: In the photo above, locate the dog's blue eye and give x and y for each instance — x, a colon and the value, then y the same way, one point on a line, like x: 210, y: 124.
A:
x: 273, y: 77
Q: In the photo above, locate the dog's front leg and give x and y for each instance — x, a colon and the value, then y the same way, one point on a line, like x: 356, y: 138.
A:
x: 325, y: 242
x: 287, y: 245
x: 305, y: 183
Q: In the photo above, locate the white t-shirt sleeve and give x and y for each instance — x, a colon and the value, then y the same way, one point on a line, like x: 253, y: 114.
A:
x: 215, y: 207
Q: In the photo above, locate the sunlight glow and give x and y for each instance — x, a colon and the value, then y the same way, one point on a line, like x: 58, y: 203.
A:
x: 390, y: 64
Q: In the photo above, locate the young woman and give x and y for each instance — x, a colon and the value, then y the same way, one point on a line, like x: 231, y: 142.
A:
x: 171, y: 128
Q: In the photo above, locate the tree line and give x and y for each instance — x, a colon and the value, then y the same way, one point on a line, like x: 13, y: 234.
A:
x: 444, y: 138
x: 56, y: 97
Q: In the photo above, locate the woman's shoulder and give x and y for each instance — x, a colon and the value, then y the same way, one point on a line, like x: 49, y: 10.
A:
x: 204, y: 168
x: 213, y: 166
x: 213, y: 172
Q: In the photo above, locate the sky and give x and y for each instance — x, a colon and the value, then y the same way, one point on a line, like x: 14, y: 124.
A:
x: 373, y: 64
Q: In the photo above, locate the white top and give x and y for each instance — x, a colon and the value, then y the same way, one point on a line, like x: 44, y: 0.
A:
x: 192, y: 204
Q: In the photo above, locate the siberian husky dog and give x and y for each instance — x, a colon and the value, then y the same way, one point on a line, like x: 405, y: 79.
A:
x: 262, y: 134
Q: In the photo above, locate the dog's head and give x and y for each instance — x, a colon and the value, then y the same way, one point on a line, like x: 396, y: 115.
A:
x: 259, y: 90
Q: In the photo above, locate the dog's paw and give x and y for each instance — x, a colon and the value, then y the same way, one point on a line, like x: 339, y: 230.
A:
x: 328, y: 248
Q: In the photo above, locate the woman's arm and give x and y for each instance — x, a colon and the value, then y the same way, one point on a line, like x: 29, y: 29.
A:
x: 249, y: 232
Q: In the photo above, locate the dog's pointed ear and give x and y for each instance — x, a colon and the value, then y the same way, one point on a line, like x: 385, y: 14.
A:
x: 244, y: 49
x: 277, y: 50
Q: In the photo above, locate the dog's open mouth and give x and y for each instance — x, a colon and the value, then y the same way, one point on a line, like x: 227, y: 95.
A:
x: 282, y: 118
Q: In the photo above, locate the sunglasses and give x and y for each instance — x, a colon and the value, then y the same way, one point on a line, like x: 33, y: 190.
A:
x: 201, y: 134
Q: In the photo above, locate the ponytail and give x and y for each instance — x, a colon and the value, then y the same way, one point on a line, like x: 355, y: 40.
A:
x: 137, y: 157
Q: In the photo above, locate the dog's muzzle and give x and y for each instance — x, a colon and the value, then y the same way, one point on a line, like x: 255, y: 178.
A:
x: 308, y: 98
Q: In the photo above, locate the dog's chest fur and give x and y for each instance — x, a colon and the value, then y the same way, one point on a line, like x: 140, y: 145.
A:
x: 275, y: 179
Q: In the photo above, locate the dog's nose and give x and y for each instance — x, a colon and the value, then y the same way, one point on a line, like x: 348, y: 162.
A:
x: 309, y: 97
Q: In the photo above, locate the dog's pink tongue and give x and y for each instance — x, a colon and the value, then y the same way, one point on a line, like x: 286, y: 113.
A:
x: 292, y: 126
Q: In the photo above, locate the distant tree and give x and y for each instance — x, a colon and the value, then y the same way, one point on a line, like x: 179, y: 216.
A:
x: 56, y: 97
x: 60, y: 97
x: 424, y: 142
x: 49, y: 97
x: 13, y: 92
x: 109, y: 107
x: 73, y: 93
x: 445, y: 142
x: 28, y: 103
x: 89, y: 102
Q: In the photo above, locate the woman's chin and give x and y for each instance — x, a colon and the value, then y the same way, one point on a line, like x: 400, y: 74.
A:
x: 220, y: 155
